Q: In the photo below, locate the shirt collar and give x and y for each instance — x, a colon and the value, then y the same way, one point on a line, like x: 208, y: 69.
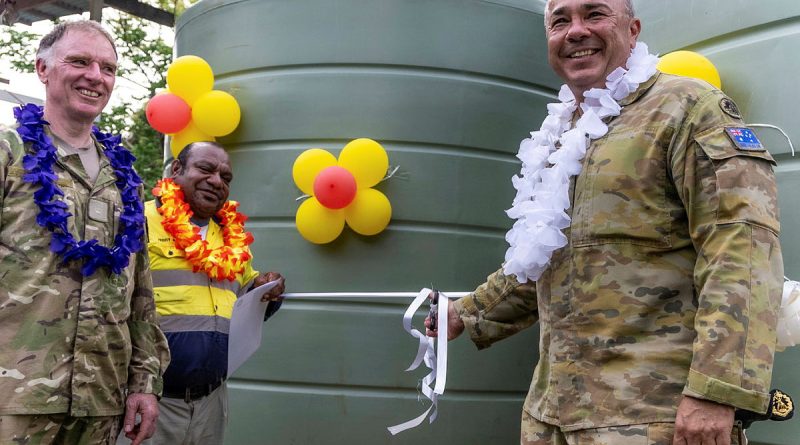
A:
x: 643, y: 87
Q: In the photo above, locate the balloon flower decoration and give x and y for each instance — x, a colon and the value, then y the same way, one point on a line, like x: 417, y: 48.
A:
x: 189, y: 110
x: 690, y: 64
x: 341, y: 191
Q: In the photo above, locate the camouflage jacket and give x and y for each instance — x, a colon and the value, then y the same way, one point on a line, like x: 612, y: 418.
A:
x: 671, y: 279
x: 69, y: 343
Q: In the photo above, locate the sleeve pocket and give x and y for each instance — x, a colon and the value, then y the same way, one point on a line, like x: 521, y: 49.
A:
x: 745, y: 181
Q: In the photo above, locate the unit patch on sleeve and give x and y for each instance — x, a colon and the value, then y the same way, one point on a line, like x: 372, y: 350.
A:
x: 729, y: 107
x: 744, y: 138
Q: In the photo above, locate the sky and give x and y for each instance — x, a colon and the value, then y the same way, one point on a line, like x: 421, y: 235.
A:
x: 29, y: 84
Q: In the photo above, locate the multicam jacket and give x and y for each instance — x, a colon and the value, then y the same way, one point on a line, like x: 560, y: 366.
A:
x: 70, y: 344
x: 672, y: 277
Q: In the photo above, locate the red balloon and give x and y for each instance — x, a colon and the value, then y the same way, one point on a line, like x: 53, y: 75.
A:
x: 335, y: 187
x: 168, y: 113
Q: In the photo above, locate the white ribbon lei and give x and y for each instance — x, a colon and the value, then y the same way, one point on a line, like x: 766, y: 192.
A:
x: 543, y: 191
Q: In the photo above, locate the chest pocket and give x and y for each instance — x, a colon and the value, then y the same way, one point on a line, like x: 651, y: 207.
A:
x: 29, y: 240
x: 623, y: 194
x: 165, y: 262
x: 164, y: 256
x: 101, y: 217
x: 165, y: 249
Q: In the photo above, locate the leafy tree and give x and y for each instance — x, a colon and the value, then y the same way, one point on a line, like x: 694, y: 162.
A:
x: 144, y: 56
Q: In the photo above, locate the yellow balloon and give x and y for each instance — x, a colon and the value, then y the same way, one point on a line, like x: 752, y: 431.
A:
x: 308, y: 165
x: 216, y: 113
x: 318, y: 224
x: 186, y: 136
x: 690, y: 64
x: 369, y: 213
x: 189, y: 77
x: 366, y: 160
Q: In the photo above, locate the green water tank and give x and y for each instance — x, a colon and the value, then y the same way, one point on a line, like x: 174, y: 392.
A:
x: 754, y: 47
x: 449, y: 88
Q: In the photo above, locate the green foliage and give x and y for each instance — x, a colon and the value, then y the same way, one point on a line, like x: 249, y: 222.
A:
x: 18, y: 48
x: 143, y: 60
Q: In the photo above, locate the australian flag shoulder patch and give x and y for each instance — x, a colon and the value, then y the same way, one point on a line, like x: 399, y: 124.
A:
x: 744, y: 138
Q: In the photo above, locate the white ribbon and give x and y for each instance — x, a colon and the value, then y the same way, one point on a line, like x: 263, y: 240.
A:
x: 789, y: 317
x: 434, y: 357
x: 426, y: 353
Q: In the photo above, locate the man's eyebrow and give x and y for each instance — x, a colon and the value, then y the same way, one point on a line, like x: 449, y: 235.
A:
x: 585, y: 7
x: 85, y: 56
x: 76, y: 55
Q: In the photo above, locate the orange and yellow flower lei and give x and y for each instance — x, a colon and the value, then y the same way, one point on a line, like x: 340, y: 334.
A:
x: 222, y: 263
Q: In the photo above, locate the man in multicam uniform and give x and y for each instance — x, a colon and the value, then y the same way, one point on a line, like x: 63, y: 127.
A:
x: 76, y: 350
x: 657, y: 318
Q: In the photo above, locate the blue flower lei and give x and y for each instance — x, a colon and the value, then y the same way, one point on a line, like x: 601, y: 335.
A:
x: 53, y: 212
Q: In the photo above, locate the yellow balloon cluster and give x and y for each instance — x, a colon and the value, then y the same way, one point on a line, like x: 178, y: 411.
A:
x: 214, y: 113
x: 321, y: 218
x: 690, y: 64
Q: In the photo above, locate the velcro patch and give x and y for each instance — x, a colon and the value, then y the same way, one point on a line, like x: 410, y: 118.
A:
x: 98, y: 210
x: 744, y: 138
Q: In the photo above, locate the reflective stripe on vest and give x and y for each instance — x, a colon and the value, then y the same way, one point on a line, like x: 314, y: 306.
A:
x: 193, y: 323
x: 165, y: 278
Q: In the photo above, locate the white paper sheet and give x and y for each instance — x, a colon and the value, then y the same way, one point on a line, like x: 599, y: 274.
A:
x: 246, y: 322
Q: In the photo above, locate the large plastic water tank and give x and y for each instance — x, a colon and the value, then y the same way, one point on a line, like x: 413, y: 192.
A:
x: 449, y: 87
x: 754, y: 47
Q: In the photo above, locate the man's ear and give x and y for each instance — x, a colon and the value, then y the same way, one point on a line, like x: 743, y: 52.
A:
x: 41, y: 70
x: 635, y: 30
x: 176, y: 168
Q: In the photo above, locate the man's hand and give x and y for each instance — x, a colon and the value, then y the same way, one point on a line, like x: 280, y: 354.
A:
x: 273, y: 294
x: 454, y: 324
x: 701, y: 422
x: 146, y: 405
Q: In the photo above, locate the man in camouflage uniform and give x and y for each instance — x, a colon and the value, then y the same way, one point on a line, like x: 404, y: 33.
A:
x: 657, y: 318
x: 76, y: 351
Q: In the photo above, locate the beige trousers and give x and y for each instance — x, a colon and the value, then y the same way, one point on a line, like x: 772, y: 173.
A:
x: 198, y: 422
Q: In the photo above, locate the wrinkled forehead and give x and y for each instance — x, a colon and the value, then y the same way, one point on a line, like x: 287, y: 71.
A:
x: 561, y: 7
x: 85, y: 40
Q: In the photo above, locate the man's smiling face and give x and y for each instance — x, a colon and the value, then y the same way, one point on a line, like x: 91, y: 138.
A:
x: 588, y: 39
x: 79, y: 75
x: 205, y: 179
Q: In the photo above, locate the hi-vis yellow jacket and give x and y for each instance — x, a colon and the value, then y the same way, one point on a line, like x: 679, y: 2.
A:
x: 195, y: 310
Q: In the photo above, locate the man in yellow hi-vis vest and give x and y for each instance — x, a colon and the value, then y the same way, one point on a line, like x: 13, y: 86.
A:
x: 200, y: 263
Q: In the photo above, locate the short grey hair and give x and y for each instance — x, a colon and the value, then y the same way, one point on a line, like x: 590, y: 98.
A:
x: 45, y: 51
x: 628, y: 10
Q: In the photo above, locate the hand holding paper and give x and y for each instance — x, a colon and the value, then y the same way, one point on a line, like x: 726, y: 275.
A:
x: 248, y: 317
x: 273, y: 293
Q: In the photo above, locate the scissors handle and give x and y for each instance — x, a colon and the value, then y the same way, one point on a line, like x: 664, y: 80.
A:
x: 434, y: 312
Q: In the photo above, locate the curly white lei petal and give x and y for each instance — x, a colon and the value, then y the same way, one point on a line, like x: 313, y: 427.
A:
x: 543, y: 184
x: 789, y: 316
